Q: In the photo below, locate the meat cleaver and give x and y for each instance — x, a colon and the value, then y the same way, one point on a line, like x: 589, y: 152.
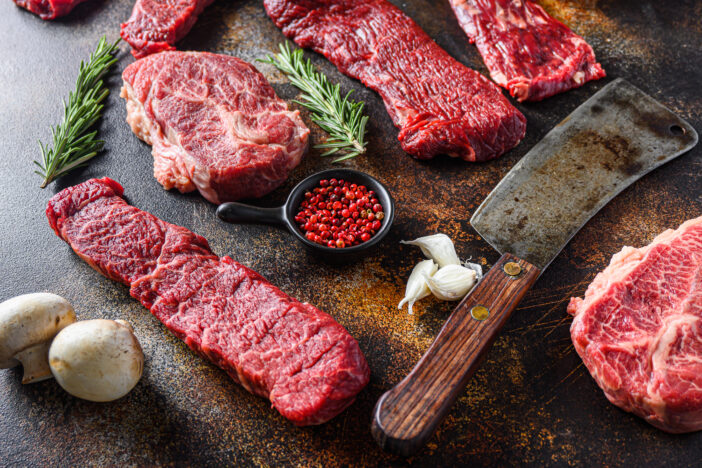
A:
x: 606, y: 144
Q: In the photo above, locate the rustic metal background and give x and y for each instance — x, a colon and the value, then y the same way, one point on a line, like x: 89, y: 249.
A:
x: 531, y: 402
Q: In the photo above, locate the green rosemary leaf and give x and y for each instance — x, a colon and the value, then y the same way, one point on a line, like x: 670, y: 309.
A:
x: 72, y: 145
x: 337, y: 114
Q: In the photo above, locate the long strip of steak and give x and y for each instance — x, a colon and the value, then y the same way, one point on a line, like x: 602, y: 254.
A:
x: 49, y: 9
x: 440, y: 106
x: 528, y: 52
x: 276, y: 347
x: 639, y: 329
x: 156, y: 25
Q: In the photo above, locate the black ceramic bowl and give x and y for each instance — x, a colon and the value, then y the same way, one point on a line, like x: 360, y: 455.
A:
x: 285, y: 215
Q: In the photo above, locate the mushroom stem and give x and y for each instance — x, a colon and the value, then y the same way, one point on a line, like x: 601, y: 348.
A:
x: 35, y: 363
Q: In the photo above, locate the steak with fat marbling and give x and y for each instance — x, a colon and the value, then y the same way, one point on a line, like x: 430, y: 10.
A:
x: 274, y: 346
x: 49, y: 9
x: 156, y: 25
x: 528, y: 52
x: 215, y: 124
x: 639, y: 329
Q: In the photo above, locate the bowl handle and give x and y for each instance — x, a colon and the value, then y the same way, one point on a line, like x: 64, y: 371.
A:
x: 233, y: 212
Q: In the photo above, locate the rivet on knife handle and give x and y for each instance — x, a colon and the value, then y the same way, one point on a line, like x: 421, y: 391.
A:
x: 512, y: 268
x: 405, y: 417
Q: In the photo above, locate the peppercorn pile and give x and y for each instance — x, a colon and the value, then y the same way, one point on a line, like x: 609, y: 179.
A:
x: 338, y: 214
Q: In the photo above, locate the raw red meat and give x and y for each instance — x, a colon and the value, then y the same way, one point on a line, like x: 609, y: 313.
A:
x: 639, y: 329
x: 49, y: 9
x: 440, y: 106
x: 215, y: 124
x: 527, y: 51
x: 156, y: 25
x: 274, y: 346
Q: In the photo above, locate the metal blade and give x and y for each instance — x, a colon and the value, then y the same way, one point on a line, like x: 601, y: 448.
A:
x: 610, y: 141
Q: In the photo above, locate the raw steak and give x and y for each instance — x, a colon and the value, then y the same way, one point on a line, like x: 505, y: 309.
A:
x: 528, y: 52
x: 215, y: 124
x: 440, y: 106
x: 274, y: 346
x: 639, y: 329
x: 156, y: 25
x: 49, y: 9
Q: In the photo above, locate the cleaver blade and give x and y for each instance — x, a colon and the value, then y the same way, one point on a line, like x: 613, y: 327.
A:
x: 610, y: 141
x: 606, y: 144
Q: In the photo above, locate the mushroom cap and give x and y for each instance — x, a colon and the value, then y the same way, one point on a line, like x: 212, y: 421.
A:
x: 97, y: 360
x: 30, y: 320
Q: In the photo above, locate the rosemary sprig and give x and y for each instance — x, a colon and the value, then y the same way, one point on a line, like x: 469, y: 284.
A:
x: 339, y: 116
x: 72, y: 146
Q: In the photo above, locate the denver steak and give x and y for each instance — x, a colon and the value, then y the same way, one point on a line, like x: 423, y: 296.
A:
x: 440, y: 106
x: 215, y: 124
x: 49, y: 9
x: 528, y: 52
x: 639, y: 329
x: 274, y: 346
x: 156, y: 25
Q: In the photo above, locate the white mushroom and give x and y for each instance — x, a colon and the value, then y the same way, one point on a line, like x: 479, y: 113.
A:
x: 97, y: 360
x: 28, y: 323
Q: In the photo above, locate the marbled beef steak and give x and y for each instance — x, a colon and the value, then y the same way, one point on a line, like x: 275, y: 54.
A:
x: 274, y: 346
x: 49, y: 9
x: 215, y: 124
x: 639, y: 329
x: 528, y: 52
x: 440, y: 106
x: 156, y: 25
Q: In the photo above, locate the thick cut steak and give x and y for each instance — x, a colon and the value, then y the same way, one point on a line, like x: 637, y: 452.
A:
x: 49, y: 9
x: 528, y: 52
x: 156, y: 25
x: 639, y: 329
x: 215, y: 124
x: 440, y: 106
x: 274, y: 346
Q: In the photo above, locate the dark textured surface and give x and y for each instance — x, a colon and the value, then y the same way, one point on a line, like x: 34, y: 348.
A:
x: 531, y: 402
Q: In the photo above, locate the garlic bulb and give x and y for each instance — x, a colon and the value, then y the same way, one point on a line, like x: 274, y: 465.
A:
x: 438, y: 247
x: 452, y: 282
x: 417, y: 284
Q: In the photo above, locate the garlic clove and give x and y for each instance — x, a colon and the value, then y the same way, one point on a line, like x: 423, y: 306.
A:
x: 417, y: 285
x: 452, y: 282
x: 438, y: 247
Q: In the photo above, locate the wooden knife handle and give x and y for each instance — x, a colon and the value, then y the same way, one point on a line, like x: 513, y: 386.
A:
x: 405, y: 417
